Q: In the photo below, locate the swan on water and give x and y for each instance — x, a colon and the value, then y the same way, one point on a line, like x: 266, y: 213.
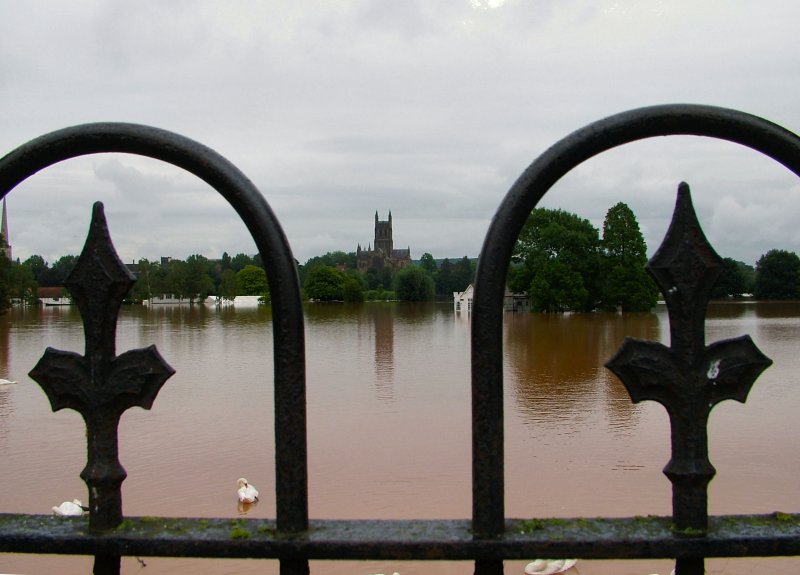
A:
x: 549, y: 566
x: 74, y: 507
x: 247, y: 493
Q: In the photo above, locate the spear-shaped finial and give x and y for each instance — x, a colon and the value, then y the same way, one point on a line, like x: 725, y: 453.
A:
x: 688, y: 378
x: 100, y: 385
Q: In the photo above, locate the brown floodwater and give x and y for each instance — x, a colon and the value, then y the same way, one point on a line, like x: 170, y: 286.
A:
x: 389, y: 424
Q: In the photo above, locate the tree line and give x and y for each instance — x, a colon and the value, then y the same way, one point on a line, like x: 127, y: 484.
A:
x: 192, y: 279
x: 335, y: 277
x: 560, y: 260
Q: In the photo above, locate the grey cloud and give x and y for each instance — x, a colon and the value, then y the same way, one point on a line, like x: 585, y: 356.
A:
x: 430, y: 109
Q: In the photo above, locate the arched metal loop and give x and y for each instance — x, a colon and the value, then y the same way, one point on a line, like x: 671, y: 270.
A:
x: 487, y: 315
x: 250, y: 205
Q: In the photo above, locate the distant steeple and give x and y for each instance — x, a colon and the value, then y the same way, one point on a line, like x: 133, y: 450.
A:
x: 383, y: 235
x: 6, y: 247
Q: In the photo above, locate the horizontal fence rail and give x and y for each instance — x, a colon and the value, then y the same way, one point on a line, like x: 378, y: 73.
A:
x: 688, y: 378
x: 592, y: 538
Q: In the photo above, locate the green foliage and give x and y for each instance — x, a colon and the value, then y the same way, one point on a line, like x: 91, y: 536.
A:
x: 380, y: 294
x: 625, y: 282
x: 239, y: 261
x: 427, y: 263
x: 225, y: 262
x: 22, y: 286
x: 338, y: 259
x: 378, y: 279
x: 454, y: 277
x: 628, y: 288
x: 550, y: 236
x: 557, y: 287
x: 622, y: 239
x: 324, y: 283
x: 735, y: 280
x: 229, y: 284
x: 57, y: 274
x: 37, y: 265
x: 143, y: 288
x: 197, y: 282
x: 252, y: 280
x: 778, y: 276
x: 412, y: 283
x: 352, y: 289
x: 5, y: 292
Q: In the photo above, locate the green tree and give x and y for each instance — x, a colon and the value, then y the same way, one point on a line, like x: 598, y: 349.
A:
x: 412, y: 283
x: 56, y: 274
x: 22, y: 285
x: 252, y: 280
x: 143, y: 288
x: 557, y: 287
x: 734, y: 281
x: 175, y: 280
x: 225, y: 261
x: 352, y: 289
x: 463, y: 274
x: 427, y: 263
x: 324, y: 283
x: 778, y: 275
x: 555, y: 235
x: 339, y: 259
x: 199, y: 283
x: 5, y: 282
x: 38, y: 267
x: 228, y: 285
x: 239, y: 261
x: 625, y: 281
x: 445, y: 282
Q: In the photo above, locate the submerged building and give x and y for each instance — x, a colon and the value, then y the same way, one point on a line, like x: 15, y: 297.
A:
x: 383, y: 254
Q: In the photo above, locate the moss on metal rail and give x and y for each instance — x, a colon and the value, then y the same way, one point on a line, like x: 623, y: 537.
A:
x: 776, y: 534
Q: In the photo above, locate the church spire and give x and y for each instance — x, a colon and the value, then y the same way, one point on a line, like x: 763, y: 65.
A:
x: 6, y: 247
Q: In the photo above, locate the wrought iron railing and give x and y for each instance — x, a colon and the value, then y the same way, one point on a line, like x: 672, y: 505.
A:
x: 687, y: 377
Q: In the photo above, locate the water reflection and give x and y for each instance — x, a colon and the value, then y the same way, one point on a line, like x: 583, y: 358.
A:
x: 243, y: 507
x: 777, y: 309
x: 556, y: 362
x: 389, y: 427
x: 6, y: 405
x: 721, y: 310
x: 380, y: 317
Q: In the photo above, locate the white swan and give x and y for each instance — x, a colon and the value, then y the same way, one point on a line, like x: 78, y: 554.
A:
x: 74, y: 507
x: 6, y: 381
x: 247, y: 493
x: 549, y: 566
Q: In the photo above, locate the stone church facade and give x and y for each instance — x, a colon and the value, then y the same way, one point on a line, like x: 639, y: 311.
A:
x: 383, y: 254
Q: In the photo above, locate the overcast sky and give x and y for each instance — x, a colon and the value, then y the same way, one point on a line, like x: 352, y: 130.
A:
x: 430, y: 109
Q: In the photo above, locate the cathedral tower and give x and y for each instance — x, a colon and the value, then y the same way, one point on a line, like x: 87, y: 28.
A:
x: 383, y: 235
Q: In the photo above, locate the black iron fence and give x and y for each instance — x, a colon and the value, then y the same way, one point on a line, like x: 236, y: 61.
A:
x: 688, y: 378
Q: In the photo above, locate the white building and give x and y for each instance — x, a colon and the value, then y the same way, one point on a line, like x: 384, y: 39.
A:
x: 462, y: 301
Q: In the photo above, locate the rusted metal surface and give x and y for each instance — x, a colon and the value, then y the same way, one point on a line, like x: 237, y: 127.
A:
x: 688, y: 378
